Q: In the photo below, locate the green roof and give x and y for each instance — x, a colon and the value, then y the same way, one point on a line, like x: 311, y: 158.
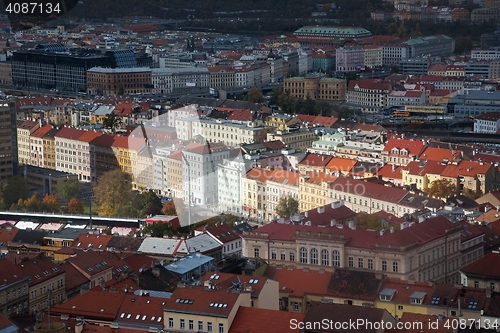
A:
x: 425, y: 40
x: 333, y: 30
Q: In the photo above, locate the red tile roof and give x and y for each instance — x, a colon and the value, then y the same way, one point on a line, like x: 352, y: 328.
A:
x: 340, y: 164
x: 414, y: 147
x: 93, y: 241
x: 299, y: 282
x: 241, y: 115
x: 316, y: 160
x: 390, y: 171
x: 40, y: 269
x: 486, y: 267
x: 254, y: 320
x: 273, y: 145
x: 69, y: 133
x: 369, y: 84
x: 10, y: 273
x: 404, y: 289
x: 439, y: 154
x: 422, y: 168
x: 466, y: 168
x: 491, y: 116
x: 39, y: 133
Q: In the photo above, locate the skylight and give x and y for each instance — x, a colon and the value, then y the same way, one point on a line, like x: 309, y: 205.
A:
x: 435, y: 300
x: 472, y: 305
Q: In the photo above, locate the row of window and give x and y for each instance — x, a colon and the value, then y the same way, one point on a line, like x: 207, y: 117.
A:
x: 200, y: 325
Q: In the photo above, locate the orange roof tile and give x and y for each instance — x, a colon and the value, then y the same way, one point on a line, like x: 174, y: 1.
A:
x: 466, y: 168
x: 340, y: 164
x: 254, y: 320
x: 299, y: 282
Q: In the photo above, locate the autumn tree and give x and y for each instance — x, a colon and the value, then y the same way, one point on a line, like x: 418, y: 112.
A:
x: 255, y: 95
x: 68, y: 189
x: 74, y: 206
x: 32, y: 204
x: 441, y: 188
x: 13, y: 190
x: 113, y: 191
x: 51, y: 203
x: 169, y: 209
x: 158, y: 229
x: 287, y: 206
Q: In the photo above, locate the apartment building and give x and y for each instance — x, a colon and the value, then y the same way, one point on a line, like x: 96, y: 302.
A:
x: 67, y: 142
x: 364, y: 196
x: 46, y: 283
x: 24, y: 131
x: 230, y: 133
x: 487, y: 123
x: 402, y: 98
x: 118, y: 81
x: 14, y: 290
x: 402, y: 151
x: 373, y: 56
x: 174, y: 174
x: 328, y: 143
x: 8, y: 146
x: 368, y: 95
x: 85, y: 154
x: 282, y: 183
x: 49, y: 149
x: 36, y: 144
x: 104, y: 157
x: 421, y: 174
x: 471, y: 175
x: 180, y: 80
x: 199, y: 172
x: 316, y: 87
x: 282, y: 121
x: 253, y: 192
x: 313, y: 190
x: 230, y: 174
x: 298, y: 139
x: 349, y: 58
x: 426, y: 251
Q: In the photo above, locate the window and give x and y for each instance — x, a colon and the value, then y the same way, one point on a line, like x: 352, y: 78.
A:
x: 384, y: 265
x: 351, y: 261
x: 182, y: 324
x: 360, y: 262
x: 200, y: 325
x: 273, y: 254
x: 415, y: 301
x: 303, y: 255
x: 170, y: 322
x: 400, y: 307
x: 395, y: 266
x: 324, y: 258
x: 292, y: 255
x: 336, y: 258
x: 209, y: 327
x: 370, y: 263
x: 314, y: 256
x: 296, y: 306
x: 221, y: 328
x: 256, y: 252
x: 191, y: 325
x: 283, y: 255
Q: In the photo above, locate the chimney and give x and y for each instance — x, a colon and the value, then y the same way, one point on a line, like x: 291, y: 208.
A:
x: 351, y: 225
x: 392, y: 230
x: 381, y: 232
x: 321, y: 210
x: 306, y: 214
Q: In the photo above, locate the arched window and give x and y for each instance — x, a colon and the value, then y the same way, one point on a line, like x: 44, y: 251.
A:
x: 314, y: 256
x: 336, y: 258
x: 324, y: 258
x: 303, y: 255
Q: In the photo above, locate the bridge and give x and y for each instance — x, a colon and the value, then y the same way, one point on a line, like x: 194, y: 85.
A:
x: 70, y: 218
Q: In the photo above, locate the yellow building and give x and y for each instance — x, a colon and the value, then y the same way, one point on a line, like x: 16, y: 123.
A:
x: 282, y: 122
x: 399, y: 296
x: 313, y: 189
x: 422, y: 173
x: 126, y: 150
x: 47, y: 283
x: 316, y: 87
x: 49, y: 149
x: 300, y: 139
x: 174, y: 174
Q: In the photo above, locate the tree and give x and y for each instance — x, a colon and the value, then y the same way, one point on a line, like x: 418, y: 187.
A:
x: 158, y: 229
x: 112, y: 121
x: 121, y: 89
x: 169, y: 209
x: 74, y: 206
x: 51, y: 203
x: 441, y: 188
x: 113, y: 191
x: 368, y: 221
x: 472, y: 194
x: 32, y: 204
x: 14, y: 189
x: 287, y: 206
x: 68, y: 189
x: 255, y: 95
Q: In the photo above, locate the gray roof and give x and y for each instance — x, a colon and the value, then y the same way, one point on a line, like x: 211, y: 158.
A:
x: 202, y: 243
x: 418, y: 294
x: 387, y: 292
x: 164, y: 246
x: 119, y: 70
x: 189, y: 263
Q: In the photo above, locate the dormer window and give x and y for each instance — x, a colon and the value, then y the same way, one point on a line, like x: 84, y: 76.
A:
x: 417, y: 297
x: 387, y: 294
x: 395, y: 151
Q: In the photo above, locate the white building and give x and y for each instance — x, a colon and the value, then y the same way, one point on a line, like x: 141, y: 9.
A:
x: 180, y: 80
x: 229, y: 174
x: 199, y: 172
x: 67, y: 150
x: 487, y: 123
x: 328, y: 143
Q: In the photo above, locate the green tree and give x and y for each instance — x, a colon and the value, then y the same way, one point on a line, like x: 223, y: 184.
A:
x: 287, y: 206
x: 68, y: 189
x: 472, y: 194
x: 255, y: 95
x: 113, y: 191
x: 121, y: 89
x: 112, y: 121
x: 441, y: 188
x: 14, y: 189
x: 158, y: 229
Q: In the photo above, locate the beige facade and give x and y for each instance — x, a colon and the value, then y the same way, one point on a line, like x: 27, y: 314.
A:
x: 174, y: 174
x: 313, y: 191
x: 316, y: 88
x: 24, y: 131
x: 282, y: 122
x: 329, y: 247
x: 299, y: 140
x: 47, y: 293
x: 373, y: 57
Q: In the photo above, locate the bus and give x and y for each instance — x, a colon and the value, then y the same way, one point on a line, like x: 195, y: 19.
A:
x: 401, y: 114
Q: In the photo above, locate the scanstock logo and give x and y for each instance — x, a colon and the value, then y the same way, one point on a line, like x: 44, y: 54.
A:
x: 26, y: 14
x: 201, y: 177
